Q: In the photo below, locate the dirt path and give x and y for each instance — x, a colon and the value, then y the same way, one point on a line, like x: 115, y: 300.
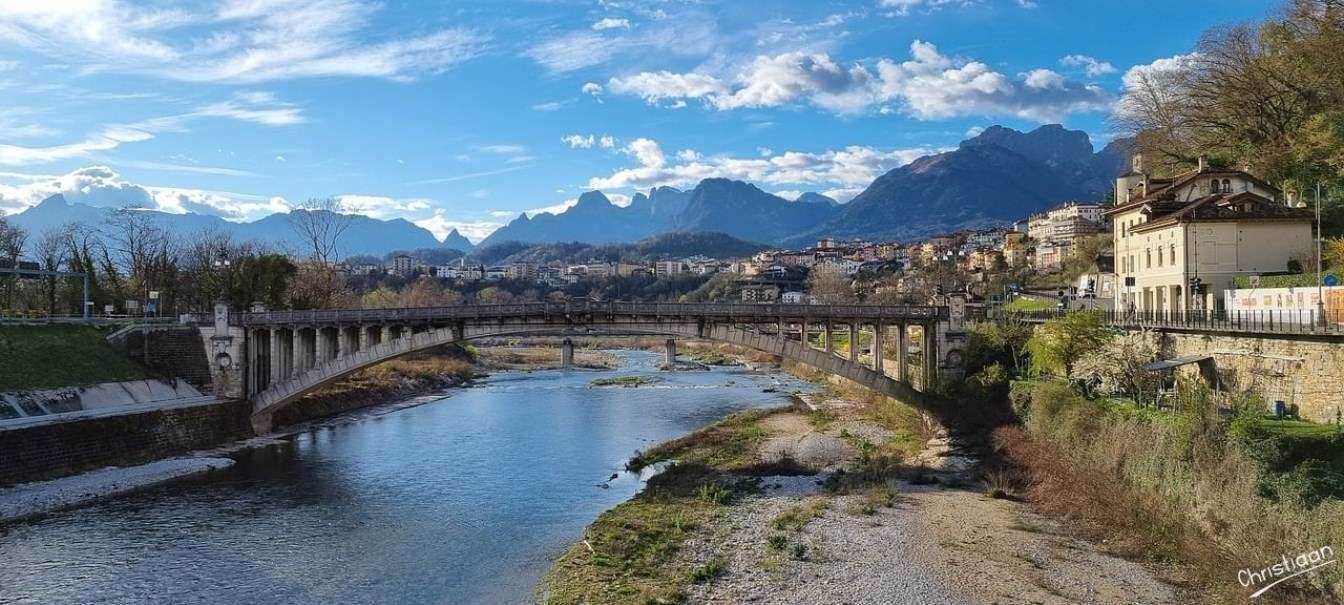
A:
x: 934, y: 544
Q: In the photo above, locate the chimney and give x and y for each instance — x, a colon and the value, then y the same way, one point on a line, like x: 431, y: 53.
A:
x: 1203, y: 163
x: 1138, y: 163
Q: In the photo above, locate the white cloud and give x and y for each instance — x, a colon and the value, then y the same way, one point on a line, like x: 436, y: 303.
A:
x: 440, y: 225
x: 1091, y: 66
x: 852, y: 167
x: 904, y: 7
x: 504, y: 148
x: 928, y: 86
x: 578, y: 141
x: 380, y: 207
x: 102, y: 187
x: 607, y: 141
x: 657, y: 86
x: 689, y: 35
x: 258, y: 108
x: 591, y: 88
x: 238, y: 41
x: 553, y: 208
x: 611, y: 23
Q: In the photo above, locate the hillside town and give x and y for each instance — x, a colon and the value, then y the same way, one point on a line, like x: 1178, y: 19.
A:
x: 1169, y: 245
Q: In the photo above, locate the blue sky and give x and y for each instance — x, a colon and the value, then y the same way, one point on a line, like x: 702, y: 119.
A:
x: 464, y: 114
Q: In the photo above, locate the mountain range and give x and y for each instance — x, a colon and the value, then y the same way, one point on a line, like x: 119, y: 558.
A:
x: 364, y: 236
x: 998, y: 176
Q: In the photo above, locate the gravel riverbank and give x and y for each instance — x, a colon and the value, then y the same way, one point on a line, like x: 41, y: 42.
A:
x: 44, y: 496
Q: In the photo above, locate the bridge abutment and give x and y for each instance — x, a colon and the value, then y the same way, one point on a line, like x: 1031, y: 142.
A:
x: 670, y: 353
x: 567, y: 354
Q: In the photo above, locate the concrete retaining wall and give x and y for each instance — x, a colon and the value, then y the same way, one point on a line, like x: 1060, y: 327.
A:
x: 174, y: 350
x: 1300, y: 371
x: 58, y: 449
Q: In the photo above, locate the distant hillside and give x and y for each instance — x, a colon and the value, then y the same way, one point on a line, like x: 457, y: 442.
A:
x: 663, y: 246
x: 365, y: 236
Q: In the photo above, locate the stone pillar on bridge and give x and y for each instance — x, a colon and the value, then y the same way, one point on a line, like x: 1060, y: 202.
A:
x: 296, y: 355
x: 387, y: 334
x: 566, y: 353
x: 854, y: 342
x: 670, y: 353
x: 900, y: 354
x: 826, y: 336
x: 320, y: 352
x: 275, y: 374
x: 253, y: 361
x: 877, y: 346
x: 930, y: 350
x: 361, y: 339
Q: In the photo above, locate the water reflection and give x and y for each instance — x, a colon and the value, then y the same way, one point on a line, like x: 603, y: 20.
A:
x: 464, y: 500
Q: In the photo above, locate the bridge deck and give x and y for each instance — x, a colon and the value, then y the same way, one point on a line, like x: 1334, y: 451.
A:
x: 730, y: 311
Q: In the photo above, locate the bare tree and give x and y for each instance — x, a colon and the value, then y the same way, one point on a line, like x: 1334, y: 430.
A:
x: 51, y: 251
x: 320, y: 224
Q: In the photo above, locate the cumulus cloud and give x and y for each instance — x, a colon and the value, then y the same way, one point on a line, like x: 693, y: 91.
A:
x: 380, y: 207
x: 611, y: 23
x: 1090, y: 65
x: 238, y: 41
x: 579, y: 141
x: 929, y: 85
x: 441, y: 225
x: 591, y: 88
x: 850, y: 168
x: 103, y: 187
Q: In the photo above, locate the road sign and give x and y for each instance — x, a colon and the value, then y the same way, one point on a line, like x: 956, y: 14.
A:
x: 1331, y: 281
x: 1255, y: 281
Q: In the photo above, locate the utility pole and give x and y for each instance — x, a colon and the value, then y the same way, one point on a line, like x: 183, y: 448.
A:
x: 1320, y: 289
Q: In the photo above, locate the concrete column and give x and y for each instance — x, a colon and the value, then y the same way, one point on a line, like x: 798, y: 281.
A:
x: 296, y: 353
x: 321, y: 347
x: 387, y: 334
x: 877, y: 347
x: 361, y: 339
x: 276, y: 371
x: 854, y: 342
x: 826, y: 336
x: 930, y: 349
x: 342, y: 345
x: 253, y: 361
x: 567, y: 353
x: 670, y: 353
x: 900, y: 354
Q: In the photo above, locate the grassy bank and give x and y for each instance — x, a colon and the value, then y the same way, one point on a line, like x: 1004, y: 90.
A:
x: 1201, y: 490
x: 52, y: 356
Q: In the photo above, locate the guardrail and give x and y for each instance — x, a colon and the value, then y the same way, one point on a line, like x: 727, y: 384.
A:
x: 1273, y: 322
x: 96, y: 320
x: 554, y: 309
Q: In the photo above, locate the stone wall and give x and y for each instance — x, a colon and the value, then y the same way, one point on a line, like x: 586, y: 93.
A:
x: 1300, y: 371
x: 174, y: 350
x: 58, y: 449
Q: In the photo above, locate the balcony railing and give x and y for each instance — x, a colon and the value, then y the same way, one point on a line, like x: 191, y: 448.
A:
x: 1298, y: 321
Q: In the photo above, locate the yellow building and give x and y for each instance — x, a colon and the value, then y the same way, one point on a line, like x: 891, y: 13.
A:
x: 1180, y: 242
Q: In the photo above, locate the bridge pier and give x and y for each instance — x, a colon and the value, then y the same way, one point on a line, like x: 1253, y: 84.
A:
x: 854, y: 342
x: 567, y: 354
x: 826, y: 336
x: 900, y: 354
x: 877, y: 347
x: 930, y: 349
x: 670, y: 353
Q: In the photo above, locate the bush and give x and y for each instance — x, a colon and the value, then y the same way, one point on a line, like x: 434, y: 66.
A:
x: 711, y: 569
x: 715, y: 492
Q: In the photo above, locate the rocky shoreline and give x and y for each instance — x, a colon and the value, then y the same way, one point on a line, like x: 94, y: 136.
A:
x: 822, y: 512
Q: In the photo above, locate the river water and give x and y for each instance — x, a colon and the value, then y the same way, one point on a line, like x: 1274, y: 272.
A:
x: 464, y: 500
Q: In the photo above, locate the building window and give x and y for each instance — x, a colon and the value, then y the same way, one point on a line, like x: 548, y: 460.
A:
x: 1173, y: 255
x: 1159, y: 256
x: 1148, y: 262
x: 1227, y: 186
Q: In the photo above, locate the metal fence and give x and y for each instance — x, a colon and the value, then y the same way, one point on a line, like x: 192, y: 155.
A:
x: 1304, y: 321
x: 731, y: 311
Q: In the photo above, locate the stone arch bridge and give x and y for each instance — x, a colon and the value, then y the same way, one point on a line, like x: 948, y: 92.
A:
x: 272, y: 358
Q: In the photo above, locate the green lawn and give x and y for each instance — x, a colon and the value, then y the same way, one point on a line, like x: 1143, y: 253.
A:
x: 40, y: 357
x: 1031, y: 303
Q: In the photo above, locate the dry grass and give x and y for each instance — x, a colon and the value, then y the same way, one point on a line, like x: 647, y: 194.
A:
x: 1170, y: 489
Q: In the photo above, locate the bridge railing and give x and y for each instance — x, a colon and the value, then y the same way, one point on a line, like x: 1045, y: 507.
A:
x: 553, y: 309
x: 1294, y: 321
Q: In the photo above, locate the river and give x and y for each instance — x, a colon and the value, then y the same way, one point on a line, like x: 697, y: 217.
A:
x: 464, y: 500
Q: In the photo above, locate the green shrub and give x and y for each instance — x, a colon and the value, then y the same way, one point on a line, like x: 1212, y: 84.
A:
x: 777, y: 542
x: 711, y: 569
x: 715, y: 492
